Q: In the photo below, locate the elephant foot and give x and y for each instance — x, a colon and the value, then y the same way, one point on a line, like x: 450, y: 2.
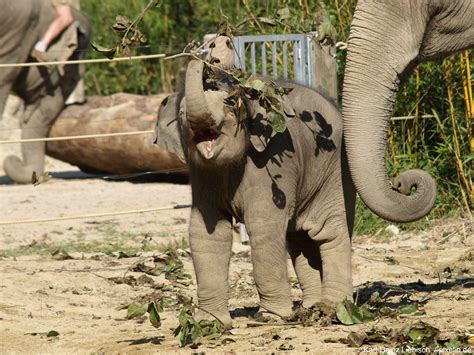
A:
x: 223, y: 317
x: 279, y: 310
x: 265, y: 316
x: 308, y: 302
x: 333, y: 296
x: 18, y: 171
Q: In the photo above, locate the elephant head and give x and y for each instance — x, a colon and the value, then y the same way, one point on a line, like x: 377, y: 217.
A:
x: 205, y: 131
x: 388, y: 39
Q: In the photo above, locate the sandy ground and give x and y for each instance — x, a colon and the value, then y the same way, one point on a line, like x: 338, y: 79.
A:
x: 76, y: 297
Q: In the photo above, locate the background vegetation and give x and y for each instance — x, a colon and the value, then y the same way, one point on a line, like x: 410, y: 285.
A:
x: 437, y: 97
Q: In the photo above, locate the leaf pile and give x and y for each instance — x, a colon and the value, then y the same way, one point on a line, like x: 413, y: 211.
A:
x: 246, y: 88
x: 189, y: 331
x: 168, y: 264
x: 348, y: 313
x: 319, y: 314
x: 418, y: 335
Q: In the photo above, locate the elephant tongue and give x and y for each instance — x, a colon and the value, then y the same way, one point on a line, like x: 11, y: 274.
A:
x: 210, y: 145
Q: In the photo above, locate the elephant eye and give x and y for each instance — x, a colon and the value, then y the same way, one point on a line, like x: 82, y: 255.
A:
x: 215, y: 61
x: 165, y: 101
x: 213, y: 45
x: 228, y: 44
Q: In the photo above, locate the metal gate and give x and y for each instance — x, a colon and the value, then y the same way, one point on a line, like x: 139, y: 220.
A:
x: 296, y: 57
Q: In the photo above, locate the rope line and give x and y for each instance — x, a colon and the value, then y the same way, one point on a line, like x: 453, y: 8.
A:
x: 83, y: 61
x: 85, y: 216
x: 56, y: 123
x: 85, y: 136
x: 396, y: 118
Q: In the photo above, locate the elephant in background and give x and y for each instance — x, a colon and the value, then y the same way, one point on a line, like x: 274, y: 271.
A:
x: 43, y: 90
x: 388, y: 38
x: 292, y: 190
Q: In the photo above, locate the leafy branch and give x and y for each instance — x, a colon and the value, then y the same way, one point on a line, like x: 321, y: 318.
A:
x: 130, y: 35
x: 190, y: 331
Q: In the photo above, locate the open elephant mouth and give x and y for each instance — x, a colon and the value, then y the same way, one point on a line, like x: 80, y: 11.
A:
x: 205, y: 140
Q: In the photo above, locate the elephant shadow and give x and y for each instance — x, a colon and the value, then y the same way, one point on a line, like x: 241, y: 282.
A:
x: 150, y: 340
x: 321, y: 129
x: 363, y: 294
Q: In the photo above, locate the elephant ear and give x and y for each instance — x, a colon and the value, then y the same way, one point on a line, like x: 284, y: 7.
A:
x: 167, y: 130
x: 260, y: 127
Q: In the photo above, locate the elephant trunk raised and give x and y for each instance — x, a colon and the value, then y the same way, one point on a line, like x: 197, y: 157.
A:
x: 387, y: 40
x: 197, y: 109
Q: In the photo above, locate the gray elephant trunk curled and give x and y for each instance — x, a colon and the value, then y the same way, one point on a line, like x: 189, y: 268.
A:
x: 387, y: 40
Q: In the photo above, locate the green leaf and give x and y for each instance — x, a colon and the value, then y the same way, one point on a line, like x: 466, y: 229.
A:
x: 454, y: 344
x: 107, y: 52
x: 348, y: 313
x: 154, y: 315
x: 256, y: 84
x: 422, y: 332
x: 278, y: 122
x: 408, y: 308
x: 196, y: 333
x: 267, y: 21
x: 136, y: 309
x: 52, y: 333
x: 284, y: 13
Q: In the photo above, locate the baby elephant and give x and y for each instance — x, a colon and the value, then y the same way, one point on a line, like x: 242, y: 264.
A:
x: 292, y: 190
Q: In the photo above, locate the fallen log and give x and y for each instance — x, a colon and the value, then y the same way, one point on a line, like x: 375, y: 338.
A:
x: 117, y: 155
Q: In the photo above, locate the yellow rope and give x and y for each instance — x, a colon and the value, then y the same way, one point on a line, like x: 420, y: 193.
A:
x: 107, y: 214
x: 86, y: 136
x: 82, y: 61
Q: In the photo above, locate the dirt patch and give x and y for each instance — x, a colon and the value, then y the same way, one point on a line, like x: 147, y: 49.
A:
x: 73, y: 276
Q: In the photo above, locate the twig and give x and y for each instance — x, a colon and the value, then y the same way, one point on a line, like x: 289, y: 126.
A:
x: 272, y: 324
x: 447, y: 237
x: 137, y: 20
x: 383, y: 261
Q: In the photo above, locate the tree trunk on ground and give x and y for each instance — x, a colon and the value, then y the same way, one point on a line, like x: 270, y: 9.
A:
x: 117, y: 155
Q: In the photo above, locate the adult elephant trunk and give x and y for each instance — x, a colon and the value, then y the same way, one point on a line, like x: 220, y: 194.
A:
x: 383, y: 47
x: 197, y: 110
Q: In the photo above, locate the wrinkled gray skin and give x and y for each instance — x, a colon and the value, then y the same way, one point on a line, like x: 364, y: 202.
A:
x: 388, y: 39
x: 291, y: 189
x: 44, y: 92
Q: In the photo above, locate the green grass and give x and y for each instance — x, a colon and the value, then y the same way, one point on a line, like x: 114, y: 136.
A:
x: 108, y: 239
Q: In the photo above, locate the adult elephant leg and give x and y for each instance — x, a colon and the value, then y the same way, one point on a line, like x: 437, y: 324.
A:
x: 4, y: 91
x: 36, y: 124
x: 306, y: 258
x: 335, y: 248
x: 210, y: 239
